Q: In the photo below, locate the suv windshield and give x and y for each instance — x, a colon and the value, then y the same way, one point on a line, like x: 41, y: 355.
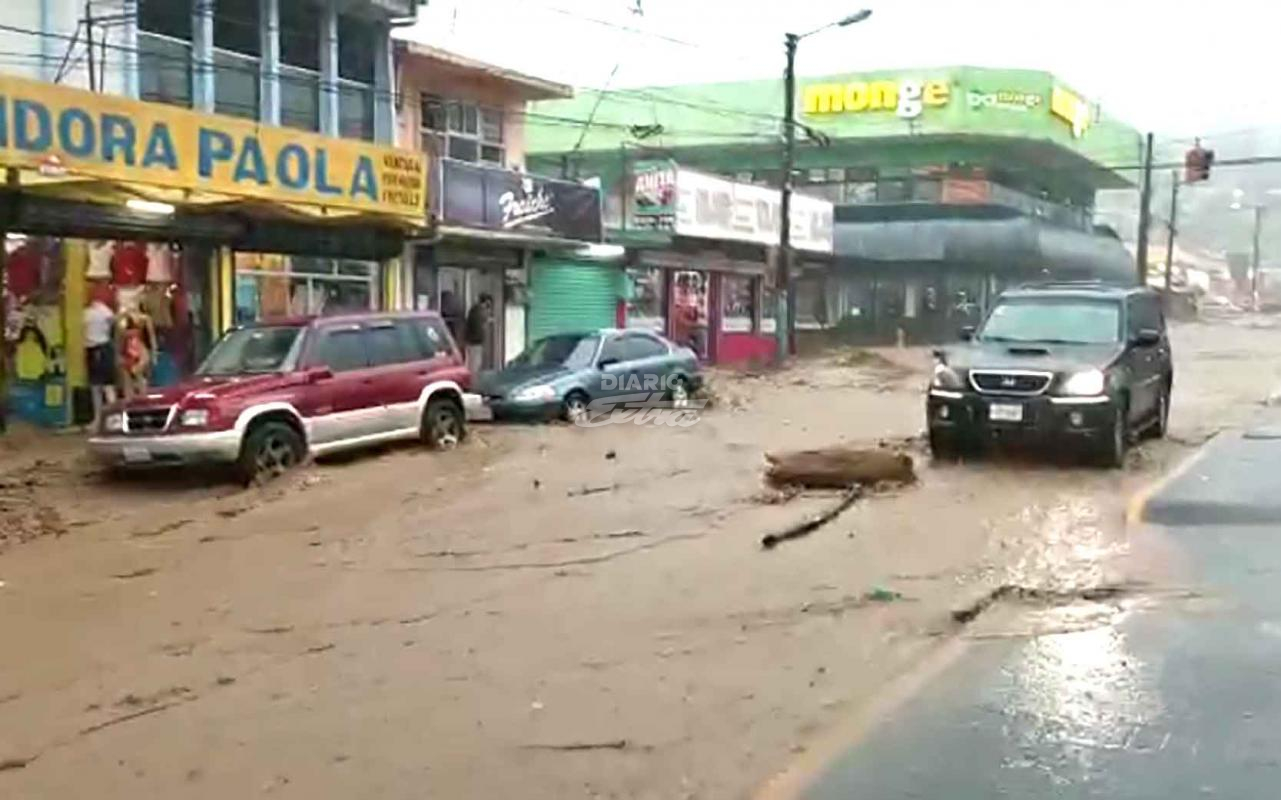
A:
x: 252, y: 350
x: 571, y: 350
x: 1054, y: 321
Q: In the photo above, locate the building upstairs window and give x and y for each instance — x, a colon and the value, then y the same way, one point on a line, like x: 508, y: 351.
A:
x: 164, y: 52
x: 463, y: 131
x: 165, y: 18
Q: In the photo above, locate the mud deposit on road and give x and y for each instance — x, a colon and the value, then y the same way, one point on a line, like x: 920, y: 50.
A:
x: 479, y: 624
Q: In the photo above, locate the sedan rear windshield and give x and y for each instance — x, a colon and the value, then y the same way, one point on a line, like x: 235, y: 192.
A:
x: 1054, y: 321
x: 253, y: 350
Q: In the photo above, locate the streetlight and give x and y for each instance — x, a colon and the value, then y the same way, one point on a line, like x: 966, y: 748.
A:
x: 785, y: 308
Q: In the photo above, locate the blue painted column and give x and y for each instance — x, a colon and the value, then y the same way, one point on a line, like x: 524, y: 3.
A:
x: 129, y: 55
x: 269, y: 80
x: 384, y: 86
x: 202, y: 57
x: 329, y: 68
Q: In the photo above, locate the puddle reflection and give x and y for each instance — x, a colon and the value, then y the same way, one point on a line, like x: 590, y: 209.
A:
x: 1075, y: 696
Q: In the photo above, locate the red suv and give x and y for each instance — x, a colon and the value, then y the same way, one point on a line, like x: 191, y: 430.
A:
x: 272, y: 392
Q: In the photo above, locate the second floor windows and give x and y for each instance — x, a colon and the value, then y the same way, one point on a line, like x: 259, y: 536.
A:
x: 463, y: 131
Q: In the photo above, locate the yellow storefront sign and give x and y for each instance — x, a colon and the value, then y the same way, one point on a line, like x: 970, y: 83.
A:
x: 45, y: 126
x: 1071, y: 109
x: 906, y: 98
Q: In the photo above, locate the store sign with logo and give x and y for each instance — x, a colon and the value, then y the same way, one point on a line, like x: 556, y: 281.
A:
x: 906, y: 98
x: 1072, y: 109
x: 115, y: 138
x: 711, y: 207
x: 481, y: 196
x: 1004, y: 100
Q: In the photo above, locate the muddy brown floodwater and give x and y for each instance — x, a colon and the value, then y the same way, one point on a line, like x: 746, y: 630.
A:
x: 532, y: 616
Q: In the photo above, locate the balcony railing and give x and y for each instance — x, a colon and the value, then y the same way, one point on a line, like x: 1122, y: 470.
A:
x: 164, y: 69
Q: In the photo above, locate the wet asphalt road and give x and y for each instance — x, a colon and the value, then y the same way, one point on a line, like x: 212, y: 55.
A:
x: 1173, y: 696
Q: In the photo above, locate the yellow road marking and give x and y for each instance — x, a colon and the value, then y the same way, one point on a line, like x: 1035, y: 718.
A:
x: 1139, y: 501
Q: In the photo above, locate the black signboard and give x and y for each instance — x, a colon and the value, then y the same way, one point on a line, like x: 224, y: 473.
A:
x: 493, y: 198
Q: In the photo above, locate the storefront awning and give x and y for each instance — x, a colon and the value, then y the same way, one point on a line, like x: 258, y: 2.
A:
x: 1013, y: 246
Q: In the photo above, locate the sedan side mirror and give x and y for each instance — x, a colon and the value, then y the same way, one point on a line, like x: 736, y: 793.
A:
x: 318, y: 374
x: 967, y: 333
x: 606, y: 362
x: 1148, y: 337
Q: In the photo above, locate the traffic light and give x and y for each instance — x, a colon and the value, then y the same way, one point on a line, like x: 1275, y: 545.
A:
x: 1197, y: 164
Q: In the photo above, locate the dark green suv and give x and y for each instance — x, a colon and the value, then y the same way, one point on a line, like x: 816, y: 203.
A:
x: 1083, y: 366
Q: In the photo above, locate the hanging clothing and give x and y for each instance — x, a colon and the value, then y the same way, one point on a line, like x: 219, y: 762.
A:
x: 160, y: 268
x: 156, y: 302
x: 23, y: 269
x: 99, y: 266
x: 129, y: 264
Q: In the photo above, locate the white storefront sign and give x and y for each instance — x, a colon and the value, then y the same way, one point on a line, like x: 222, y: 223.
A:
x: 711, y: 207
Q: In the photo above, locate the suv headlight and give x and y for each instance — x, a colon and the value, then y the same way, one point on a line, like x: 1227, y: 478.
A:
x: 1089, y: 383
x: 946, y: 378
x: 113, y: 422
x: 541, y: 393
x: 195, y: 418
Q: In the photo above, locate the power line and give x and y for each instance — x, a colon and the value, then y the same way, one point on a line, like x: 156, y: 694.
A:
x: 182, y: 64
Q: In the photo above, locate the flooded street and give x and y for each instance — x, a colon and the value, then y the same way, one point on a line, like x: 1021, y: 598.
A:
x: 556, y: 612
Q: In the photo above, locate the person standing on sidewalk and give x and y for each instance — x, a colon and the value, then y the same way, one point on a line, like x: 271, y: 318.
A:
x: 476, y: 331
x: 99, y: 320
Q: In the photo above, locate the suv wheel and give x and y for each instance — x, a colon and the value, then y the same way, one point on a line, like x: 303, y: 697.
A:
x: 444, y: 424
x: 1162, y: 422
x: 270, y: 450
x: 1113, y: 447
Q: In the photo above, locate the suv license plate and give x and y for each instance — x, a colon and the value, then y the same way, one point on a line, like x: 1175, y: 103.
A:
x: 1005, y: 412
x: 137, y: 455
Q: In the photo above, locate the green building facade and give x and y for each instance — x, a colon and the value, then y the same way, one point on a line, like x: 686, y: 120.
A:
x: 948, y: 182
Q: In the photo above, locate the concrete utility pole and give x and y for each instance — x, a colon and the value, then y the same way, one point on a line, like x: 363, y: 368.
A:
x: 1145, y: 214
x: 785, y: 305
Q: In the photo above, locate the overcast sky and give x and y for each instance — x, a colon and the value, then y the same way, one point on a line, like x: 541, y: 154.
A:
x: 1179, y: 68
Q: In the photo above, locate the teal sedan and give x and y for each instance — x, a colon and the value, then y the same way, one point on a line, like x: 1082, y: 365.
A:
x: 563, y: 375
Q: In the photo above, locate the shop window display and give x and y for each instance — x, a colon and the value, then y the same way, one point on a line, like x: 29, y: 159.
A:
x: 689, y: 310
x: 107, y: 290
x: 739, y: 294
x: 645, y: 306
x: 275, y: 286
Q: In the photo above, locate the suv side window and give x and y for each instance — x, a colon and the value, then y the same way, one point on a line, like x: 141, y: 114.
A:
x: 434, y: 335
x: 341, y: 349
x: 1145, y: 313
x: 392, y: 343
x: 638, y: 346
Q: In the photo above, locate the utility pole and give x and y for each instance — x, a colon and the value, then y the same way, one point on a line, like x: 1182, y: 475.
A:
x: 93, y: 81
x: 785, y: 323
x: 1145, y: 213
x: 1254, y: 258
x: 1174, y: 215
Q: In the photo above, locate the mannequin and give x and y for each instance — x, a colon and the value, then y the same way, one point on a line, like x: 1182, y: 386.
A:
x: 135, y: 351
x: 99, y: 358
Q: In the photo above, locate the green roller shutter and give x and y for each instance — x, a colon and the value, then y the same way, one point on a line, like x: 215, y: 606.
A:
x: 571, y: 296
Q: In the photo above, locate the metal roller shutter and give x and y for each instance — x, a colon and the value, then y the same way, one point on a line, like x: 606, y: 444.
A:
x: 571, y: 296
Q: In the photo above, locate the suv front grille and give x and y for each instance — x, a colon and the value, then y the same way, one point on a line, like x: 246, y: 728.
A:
x: 1019, y: 382
x: 147, y: 420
